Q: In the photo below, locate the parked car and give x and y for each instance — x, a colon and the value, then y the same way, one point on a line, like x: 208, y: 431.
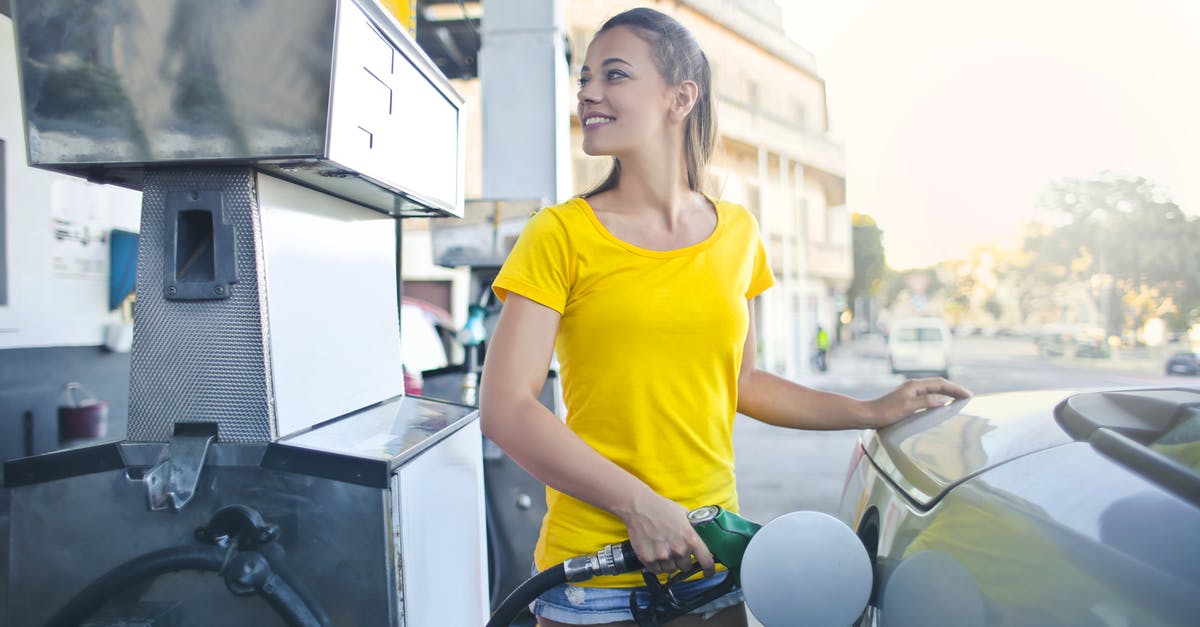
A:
x: 1059, y: 339
x: 1033, y: 508
x: 919, y: 346
x: 426, y: 340
x: 1183, y: 362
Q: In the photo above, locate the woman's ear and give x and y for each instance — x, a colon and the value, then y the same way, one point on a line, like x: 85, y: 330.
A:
x: 686, y: 95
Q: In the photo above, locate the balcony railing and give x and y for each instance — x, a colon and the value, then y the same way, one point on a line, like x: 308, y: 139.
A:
x: 768, y: 129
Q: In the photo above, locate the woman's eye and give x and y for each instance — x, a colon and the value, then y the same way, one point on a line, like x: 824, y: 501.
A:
x: 615, y: 74
x: 583, y: 80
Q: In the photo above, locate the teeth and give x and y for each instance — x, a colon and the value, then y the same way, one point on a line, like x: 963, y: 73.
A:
x: 599, y: 119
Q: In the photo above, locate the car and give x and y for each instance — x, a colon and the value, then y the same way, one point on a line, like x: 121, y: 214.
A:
x: 1033, y: 508
x: 426, y: 341
x: 1183, y: 362
x: 919, y: 346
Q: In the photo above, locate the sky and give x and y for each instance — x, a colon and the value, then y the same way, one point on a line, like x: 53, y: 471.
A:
x: 955, y: 113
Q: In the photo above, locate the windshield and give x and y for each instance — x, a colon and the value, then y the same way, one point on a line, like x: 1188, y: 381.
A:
x: 930, y: 334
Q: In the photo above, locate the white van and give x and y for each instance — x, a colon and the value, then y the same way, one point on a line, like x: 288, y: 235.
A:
x: 919, y: 345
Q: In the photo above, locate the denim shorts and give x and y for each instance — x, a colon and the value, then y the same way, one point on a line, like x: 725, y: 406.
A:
x: 580, y: 605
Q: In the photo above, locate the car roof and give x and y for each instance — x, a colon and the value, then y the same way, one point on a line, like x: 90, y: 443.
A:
x: 930, y: 453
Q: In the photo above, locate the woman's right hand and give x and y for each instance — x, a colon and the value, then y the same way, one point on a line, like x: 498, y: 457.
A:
x: 662, y: 537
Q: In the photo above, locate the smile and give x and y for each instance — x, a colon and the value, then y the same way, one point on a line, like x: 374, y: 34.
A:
x: 594, y: 120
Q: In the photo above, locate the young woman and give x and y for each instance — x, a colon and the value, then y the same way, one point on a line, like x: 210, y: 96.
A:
x: 644, y: 288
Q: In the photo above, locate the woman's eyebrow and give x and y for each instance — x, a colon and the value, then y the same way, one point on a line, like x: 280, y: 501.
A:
x: 608, y: 61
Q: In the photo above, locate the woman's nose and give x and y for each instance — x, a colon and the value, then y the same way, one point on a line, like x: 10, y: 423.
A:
x: 587, y: 93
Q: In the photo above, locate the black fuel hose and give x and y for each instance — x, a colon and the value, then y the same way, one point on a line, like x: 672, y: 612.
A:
x: 280, y: 595
x: 525, y: 594
x: 613, y: 559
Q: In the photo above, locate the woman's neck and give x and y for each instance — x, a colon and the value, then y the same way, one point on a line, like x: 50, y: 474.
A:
x: 657, y: 183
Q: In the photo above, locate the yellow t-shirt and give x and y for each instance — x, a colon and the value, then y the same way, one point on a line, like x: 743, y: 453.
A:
x: 649, y: 345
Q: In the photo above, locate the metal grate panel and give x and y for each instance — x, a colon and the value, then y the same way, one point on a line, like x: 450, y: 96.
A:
x: 201, y: 360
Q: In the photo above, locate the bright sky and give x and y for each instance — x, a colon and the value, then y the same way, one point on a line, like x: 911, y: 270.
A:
x: 955, y: 113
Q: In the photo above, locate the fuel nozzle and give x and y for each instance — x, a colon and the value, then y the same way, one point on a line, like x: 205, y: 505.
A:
x: 724, y: 533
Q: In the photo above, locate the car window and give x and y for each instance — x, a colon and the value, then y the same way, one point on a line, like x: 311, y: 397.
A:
x: 919, y: 334
x: 1182, y: 441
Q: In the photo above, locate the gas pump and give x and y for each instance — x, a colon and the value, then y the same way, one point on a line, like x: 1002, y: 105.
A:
x: 273, y: 470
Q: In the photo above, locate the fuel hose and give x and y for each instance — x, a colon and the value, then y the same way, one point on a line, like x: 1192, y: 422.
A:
x: 613, y: 559
x: 275, y: 589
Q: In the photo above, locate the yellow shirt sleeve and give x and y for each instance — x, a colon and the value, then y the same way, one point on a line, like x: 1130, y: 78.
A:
x: 763, y: 278
x: 539, y: 265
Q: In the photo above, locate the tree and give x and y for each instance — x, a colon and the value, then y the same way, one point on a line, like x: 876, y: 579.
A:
x: 869, y: 261
x: 1129, y: 239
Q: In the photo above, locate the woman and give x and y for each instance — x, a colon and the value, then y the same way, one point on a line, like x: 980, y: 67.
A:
x: 644, y: 286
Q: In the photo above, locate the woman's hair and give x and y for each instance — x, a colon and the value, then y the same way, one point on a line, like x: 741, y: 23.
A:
x: 679, y: 58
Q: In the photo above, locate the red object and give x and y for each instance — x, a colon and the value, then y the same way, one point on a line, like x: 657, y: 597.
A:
x: 83, y: 417
x: 414, y: 383
x: 84, y: 421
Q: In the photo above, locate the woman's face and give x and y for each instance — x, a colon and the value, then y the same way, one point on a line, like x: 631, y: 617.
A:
x: 623, y: 100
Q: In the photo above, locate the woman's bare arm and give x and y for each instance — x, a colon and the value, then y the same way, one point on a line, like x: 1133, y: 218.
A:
x: 778, y: 401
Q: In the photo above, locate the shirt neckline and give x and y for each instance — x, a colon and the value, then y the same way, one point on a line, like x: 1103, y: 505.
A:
x: 660, y: 254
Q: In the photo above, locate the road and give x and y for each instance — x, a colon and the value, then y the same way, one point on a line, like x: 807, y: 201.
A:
x: 780, y: 470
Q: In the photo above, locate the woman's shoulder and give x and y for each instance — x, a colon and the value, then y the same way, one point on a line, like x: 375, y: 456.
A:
x: 563, y: 213
x: 733, y: 213
x: 556, y: 223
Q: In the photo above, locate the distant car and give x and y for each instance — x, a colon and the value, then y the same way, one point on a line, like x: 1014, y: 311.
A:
x: 1183, y: 362
x: 1095, y: 348
x: 919, y: 346
x: 1059, y: 339
x: 1033, y: 508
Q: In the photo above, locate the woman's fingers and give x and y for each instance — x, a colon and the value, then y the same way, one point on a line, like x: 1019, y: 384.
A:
x: 664, y: 540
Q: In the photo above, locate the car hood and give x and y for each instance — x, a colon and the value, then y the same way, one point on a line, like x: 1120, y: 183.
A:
x: 930, y: 452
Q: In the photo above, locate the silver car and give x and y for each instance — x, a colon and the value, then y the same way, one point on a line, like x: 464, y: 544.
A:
x: 1034, y: 508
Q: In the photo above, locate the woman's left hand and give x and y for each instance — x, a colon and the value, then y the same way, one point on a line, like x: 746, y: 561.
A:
x: 913, y: 395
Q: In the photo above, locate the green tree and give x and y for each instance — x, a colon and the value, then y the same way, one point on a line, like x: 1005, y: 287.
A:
x: 870, y: 265
x: 1125, y: 235
x: 993, y: 307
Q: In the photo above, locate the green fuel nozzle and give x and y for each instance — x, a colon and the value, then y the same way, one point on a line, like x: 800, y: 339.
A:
x: 724, y: 533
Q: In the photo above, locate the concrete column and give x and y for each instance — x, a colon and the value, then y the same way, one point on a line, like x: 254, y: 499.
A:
x: 804, y: 323
x: 790, y: 241
x: 768, y: 335
x: 525, y: 98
